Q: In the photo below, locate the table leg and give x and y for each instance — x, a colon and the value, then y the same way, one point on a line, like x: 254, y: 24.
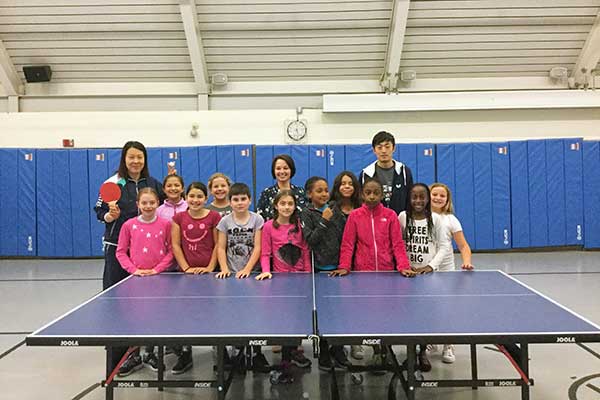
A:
x: 109, y: 394
x: 525, y: 368
x: 411, y: 352
x: 474, y: 364
x: 221, y: 372
x: 161, y: 367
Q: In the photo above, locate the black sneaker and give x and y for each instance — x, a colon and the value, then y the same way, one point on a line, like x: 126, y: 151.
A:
x: 260, y: 363
x: 424, y: 364
x: 325, y: 362
x: 184, y: 362
x: 339, y: 357
x: 151, y: 361
x: 299, y: 360
x: 132, y: 364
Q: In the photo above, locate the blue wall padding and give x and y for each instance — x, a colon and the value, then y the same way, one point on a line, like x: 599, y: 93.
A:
x: 61, y: 206
x: 264, y: 179
x: 300, y: 156
x: 114, y: 158
x: 464, y: 191
x: 9, y: 202
x: 190, y: 167
x: 519, y: 200
x: 45, y: 203
x: 482, y: 196
x: 406, y: 154
x: 425, y: 164
x: 225, y: 162
x: 538, y: 202
x: 502, y: 235
x: 555, y: 185
x: 573, y: 149
x: 317, y: 165
x: 169, y: 154
x: 591, y: 195
x: 80, y: 231
x: 445, y: 165
x: 155, y: 162
x: 98, y: 172
x: 358, y: 156
x: 207, y: 159
x: 26, y: 225
x: 336, y: 162
x: 244, y: 164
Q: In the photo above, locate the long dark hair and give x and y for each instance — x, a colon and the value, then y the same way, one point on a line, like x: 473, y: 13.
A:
x: 293, y: 217
x: 123, y: 173
x: 336, y: 196
x: 410, y: 220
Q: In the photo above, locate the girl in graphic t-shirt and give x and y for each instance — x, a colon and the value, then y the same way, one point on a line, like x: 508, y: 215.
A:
x: 422, y: 232
x: 194, y: 237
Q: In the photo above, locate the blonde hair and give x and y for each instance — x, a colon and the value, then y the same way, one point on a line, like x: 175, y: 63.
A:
x: 218, y: 175
x: 449, y: 207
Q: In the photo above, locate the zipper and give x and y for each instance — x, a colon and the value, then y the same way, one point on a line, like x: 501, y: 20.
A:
x: 374, y: 241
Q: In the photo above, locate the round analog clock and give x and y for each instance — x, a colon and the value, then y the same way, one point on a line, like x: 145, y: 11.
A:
x: 296, y: 130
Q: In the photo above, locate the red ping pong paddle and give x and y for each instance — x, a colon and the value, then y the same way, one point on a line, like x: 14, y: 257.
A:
x: 110, y: 191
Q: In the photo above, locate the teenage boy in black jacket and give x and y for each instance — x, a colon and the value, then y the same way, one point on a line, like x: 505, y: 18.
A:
x: 395, y: 177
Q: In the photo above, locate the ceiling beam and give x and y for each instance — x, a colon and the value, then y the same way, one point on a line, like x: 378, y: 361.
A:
x: 391, y: 73
x: 189, y: 17
x: 8, y: 74
x: 581, y: 75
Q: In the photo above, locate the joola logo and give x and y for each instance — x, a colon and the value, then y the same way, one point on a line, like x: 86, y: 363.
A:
x: 125, y: 384
x: 429, y: 384
x: 202, y: 384
x: 257, y: 342
x: 565, y: 339
x: 69, y: 343
x: 371, y: 342
x: 507, y: 383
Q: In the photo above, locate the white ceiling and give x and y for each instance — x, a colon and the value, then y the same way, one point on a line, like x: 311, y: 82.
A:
x: 300, y: 46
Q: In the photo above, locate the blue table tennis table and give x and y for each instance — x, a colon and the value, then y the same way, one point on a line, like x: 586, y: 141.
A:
x: 178, y: 309
x: 478, y: 307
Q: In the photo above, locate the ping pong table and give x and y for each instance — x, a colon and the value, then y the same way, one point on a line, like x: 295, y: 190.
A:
x: 385, y: 308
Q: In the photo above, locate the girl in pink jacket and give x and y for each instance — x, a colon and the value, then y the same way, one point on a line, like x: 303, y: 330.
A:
x: 372, y: 239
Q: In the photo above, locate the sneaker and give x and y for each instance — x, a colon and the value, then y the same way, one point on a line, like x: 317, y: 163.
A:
x: 151, y: 361
x: 260, y: 363
x: 376, y: 361
x: 448, y: 354
x: 132, y: 364
x: 281, y: 375
x: 357, y: 352
x: 299, y: 360
x: 432, y: 348
x: 339, y: 357
x: 325, y: 361
x: 184, y: 362
x: 424, y: 364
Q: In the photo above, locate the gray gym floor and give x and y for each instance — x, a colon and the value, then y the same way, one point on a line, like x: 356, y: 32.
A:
x: 33, y: 292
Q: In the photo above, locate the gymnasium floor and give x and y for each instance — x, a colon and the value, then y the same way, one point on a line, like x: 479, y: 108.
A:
x: 32, y: 292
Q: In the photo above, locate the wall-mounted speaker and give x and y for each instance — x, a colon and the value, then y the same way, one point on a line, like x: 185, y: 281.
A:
x: 37, y: 73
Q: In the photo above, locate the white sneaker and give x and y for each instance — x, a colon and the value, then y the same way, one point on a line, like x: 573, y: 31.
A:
x: 448, y: 354
x: 357, y: 352
x: 432, y: 348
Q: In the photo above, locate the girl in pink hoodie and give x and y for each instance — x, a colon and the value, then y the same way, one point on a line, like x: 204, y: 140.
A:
x: 175, y: 203
x: 372, y: 239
